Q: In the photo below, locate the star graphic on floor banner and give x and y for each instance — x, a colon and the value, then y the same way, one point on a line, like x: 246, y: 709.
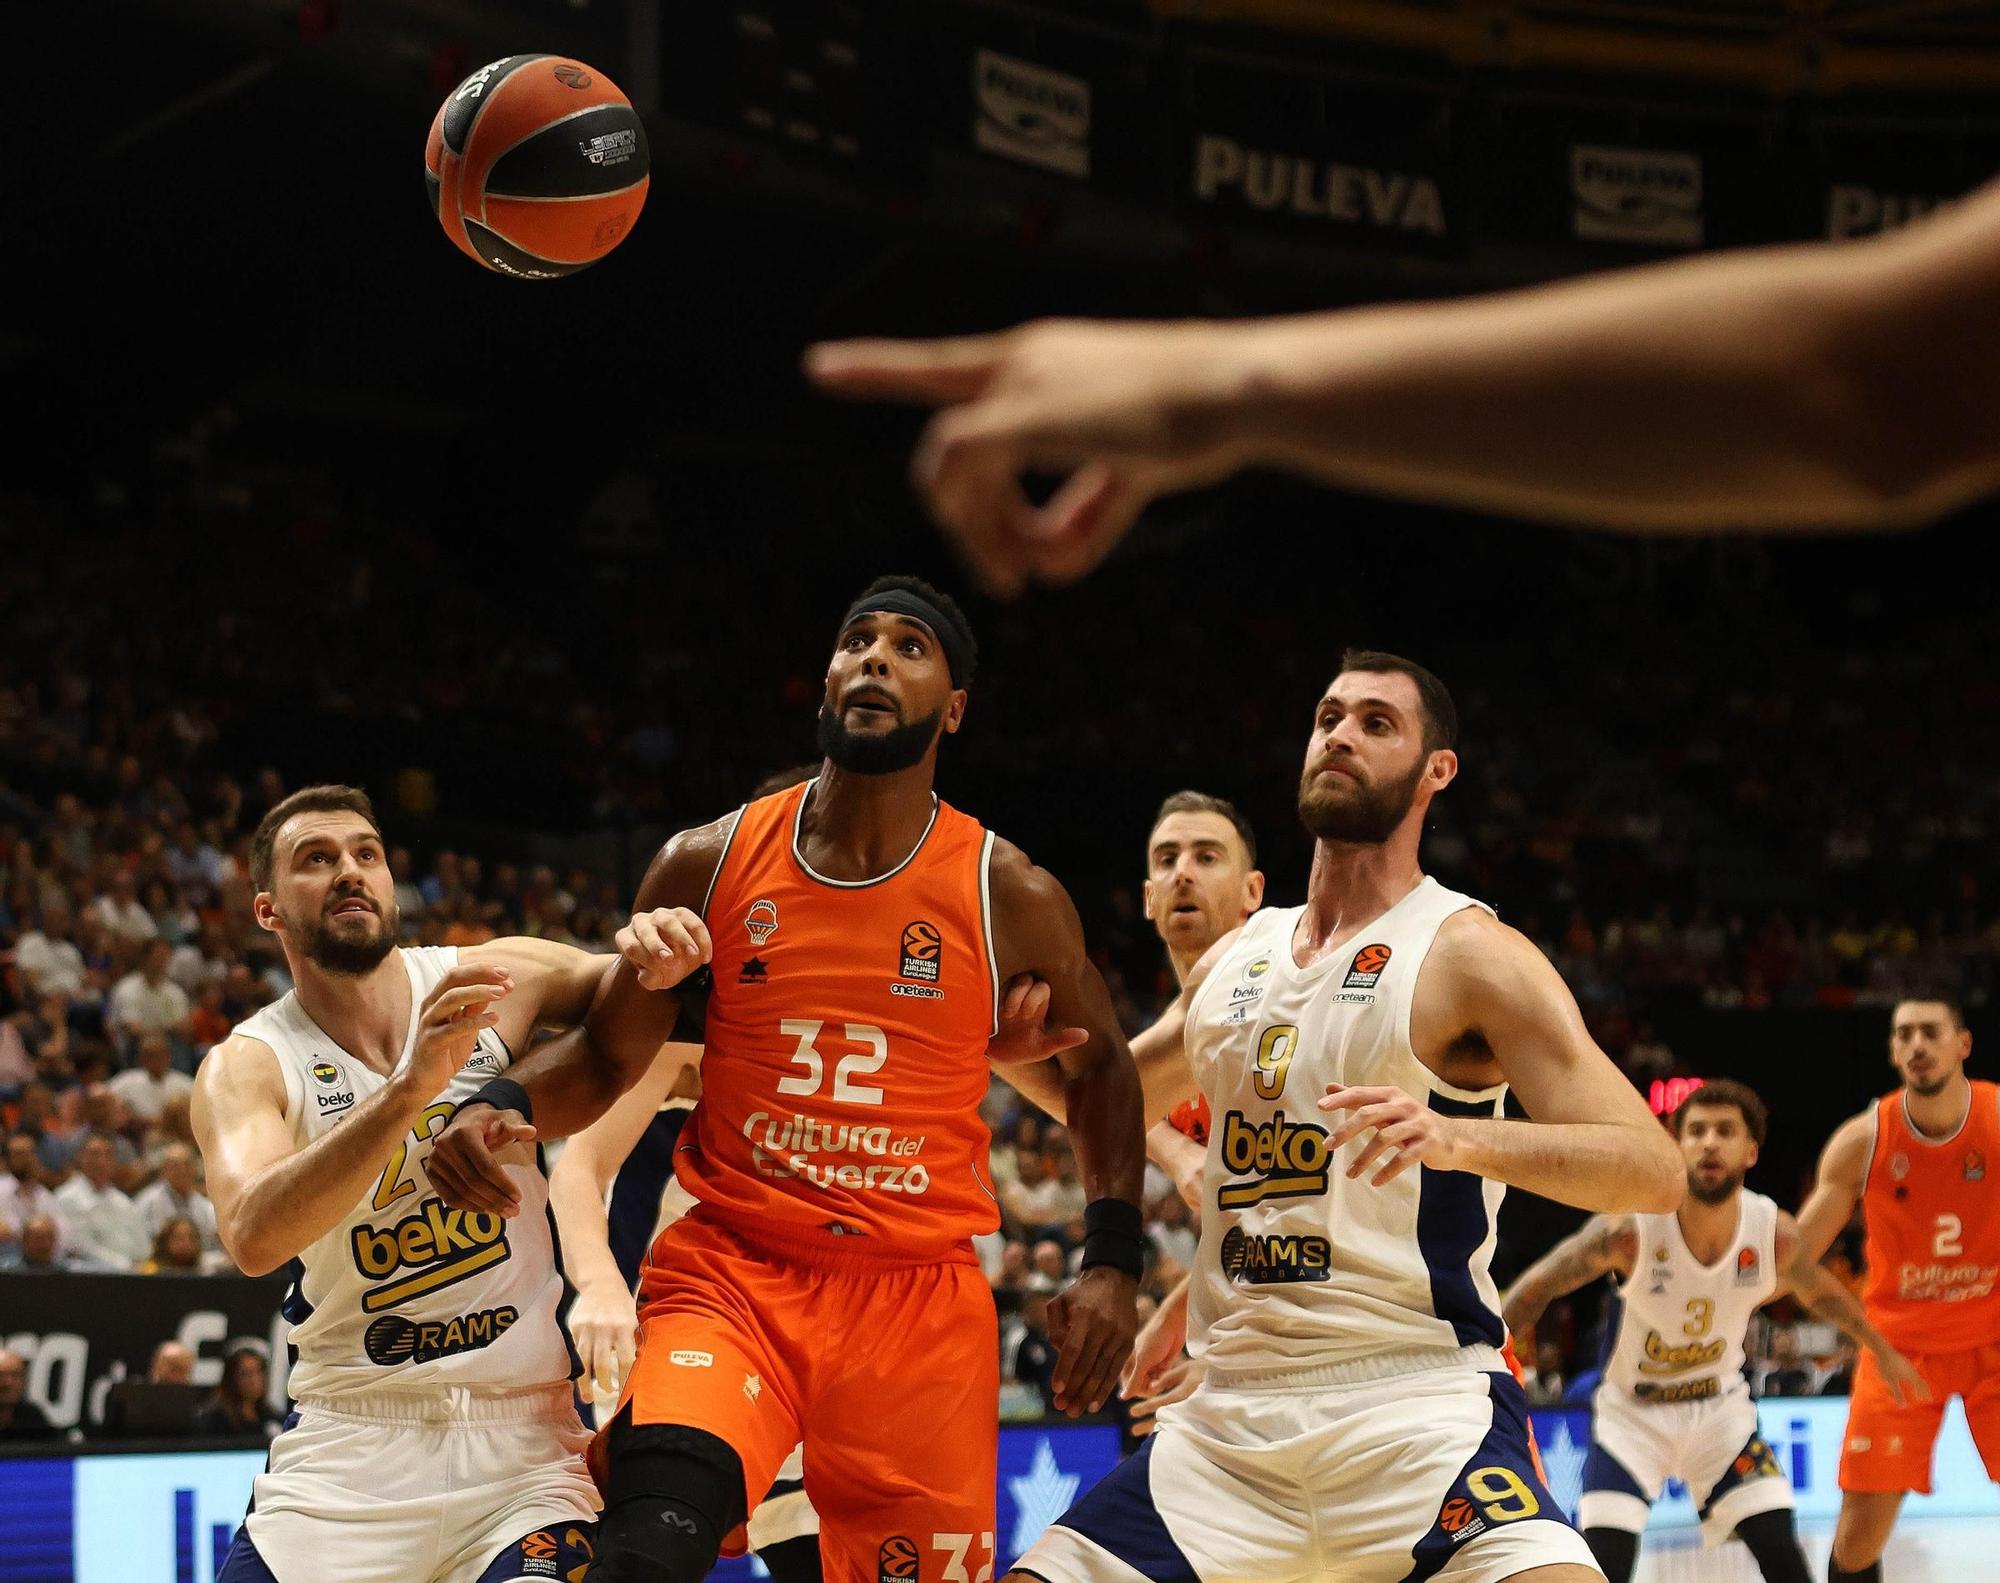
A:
x: 1041, y: 1495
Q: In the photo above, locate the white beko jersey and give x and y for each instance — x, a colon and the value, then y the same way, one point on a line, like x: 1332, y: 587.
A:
x: 1299, y: 1268
x: 1680, y: 1337
x: 405, y: 1294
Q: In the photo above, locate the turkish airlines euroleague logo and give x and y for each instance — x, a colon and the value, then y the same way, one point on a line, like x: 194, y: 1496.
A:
x: 896, y: 1561
x: 1366, y: 967
x: 923, y: 952
x: 1456, y: 1514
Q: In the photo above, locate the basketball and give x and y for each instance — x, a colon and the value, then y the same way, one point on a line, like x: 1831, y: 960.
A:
x: 536, y: 166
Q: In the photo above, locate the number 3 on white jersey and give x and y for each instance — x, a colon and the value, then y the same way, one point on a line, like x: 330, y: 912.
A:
x: 874, y: 1051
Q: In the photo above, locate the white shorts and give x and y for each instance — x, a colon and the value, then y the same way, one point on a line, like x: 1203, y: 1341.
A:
x: 785, y: 1513
x: 1713, y: 1447
x: 1425, y: 1474
x: 430, y: 1488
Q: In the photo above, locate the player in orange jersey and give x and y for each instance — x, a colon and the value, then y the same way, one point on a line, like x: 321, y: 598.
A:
x: 1921, y: 1164
x: 857, y: 933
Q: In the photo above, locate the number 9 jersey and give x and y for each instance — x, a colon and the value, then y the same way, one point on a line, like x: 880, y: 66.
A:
x: 846, y: 1040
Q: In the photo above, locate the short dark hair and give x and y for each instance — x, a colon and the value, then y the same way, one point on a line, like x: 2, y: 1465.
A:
x: 936, y: 596
x: 1203, y: 802
x: 1440, y: 713
x: 782, y: 780
x: 307, y: 799
x: 1722, y: 1091
x: 1923, y: 997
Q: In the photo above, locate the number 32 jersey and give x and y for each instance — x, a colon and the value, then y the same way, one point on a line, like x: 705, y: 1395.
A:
x: 846, y: 1041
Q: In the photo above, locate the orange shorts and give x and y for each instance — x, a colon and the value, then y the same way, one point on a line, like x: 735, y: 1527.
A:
x: 888, y: 1371
x: 1888, y: 1446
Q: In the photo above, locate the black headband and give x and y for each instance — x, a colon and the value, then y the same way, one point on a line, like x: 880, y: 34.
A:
x: 953, y: 636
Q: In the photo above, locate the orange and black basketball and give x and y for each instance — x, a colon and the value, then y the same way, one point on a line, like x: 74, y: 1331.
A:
x: 537, y: 166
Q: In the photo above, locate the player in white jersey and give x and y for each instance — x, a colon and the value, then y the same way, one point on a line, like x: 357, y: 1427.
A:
x: 1358, y: 1419
x: 1202, y: 882
x: 435, y: 1438
x: 1673, y: 1402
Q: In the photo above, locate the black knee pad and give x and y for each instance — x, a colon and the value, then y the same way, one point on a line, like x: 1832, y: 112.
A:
x: 1616, y: 1551
x: 1773, y: 1539
x: 672, y: 1493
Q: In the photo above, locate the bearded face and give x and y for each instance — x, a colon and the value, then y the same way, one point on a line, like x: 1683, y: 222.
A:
x: 876, y: 749
x: 1340, y: 802
x: 350, y: 934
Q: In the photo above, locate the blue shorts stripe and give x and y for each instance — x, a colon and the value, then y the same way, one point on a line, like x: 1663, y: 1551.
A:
x: 1452, y: 1223
x: 1605, y: 1474
x: 1119, y: 1517
x: 244, y: 1565
x: 1468, y: 1511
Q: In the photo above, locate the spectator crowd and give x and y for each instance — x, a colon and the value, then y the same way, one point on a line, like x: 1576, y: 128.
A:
x: 1697, y: 832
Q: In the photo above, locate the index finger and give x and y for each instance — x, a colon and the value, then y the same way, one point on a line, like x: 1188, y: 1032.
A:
x: 466, y: 975
x: 456, y: 1003
x: 926, y: 371
x: 1338, y: 1098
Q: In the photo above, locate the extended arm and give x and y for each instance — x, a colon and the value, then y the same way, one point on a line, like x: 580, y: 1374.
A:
x: 554, y: 984
x: 1843, y: 1172
x: 1036, y: 930
x: 604, y: 1319
x: 1823, y: 1296
x: 1591, y: 1141
x: 1602, y: 1245
x: 575, y: 1077
x: 1158, y: 1055
x: 1785, y: 388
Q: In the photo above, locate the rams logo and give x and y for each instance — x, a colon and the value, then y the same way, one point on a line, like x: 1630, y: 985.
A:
x: 1678, y: 1391
x: 1262, y: 1260
x: 1287, y: 1159
x: 392, y: 1339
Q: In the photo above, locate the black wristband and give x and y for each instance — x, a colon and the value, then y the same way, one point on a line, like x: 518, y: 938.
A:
x: 1112, y: 1235
x: 503, y: 1093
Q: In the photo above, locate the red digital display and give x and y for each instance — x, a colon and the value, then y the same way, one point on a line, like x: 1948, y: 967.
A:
x: 1666, y: 1094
